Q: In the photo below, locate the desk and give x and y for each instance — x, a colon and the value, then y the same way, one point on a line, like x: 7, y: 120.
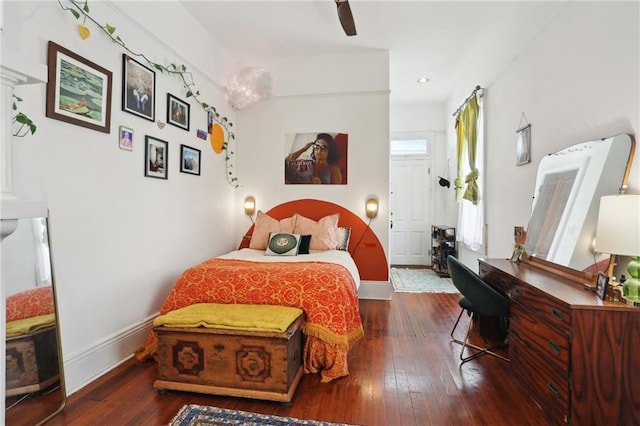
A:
x: 578, y: 356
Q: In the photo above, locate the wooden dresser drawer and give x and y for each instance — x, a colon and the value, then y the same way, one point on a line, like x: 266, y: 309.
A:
x: 551, y: 344
x: 548, y: 387
x: 495, y: 278
x: 551, y: 310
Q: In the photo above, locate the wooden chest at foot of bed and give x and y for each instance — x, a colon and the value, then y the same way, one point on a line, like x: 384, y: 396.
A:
x: 260, y: 365
x: 31, y: 361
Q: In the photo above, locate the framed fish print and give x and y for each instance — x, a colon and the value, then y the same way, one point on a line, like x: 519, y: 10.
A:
x: 78, y: 90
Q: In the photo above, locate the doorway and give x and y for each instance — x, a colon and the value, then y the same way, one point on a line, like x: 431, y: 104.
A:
x: 410, y: 199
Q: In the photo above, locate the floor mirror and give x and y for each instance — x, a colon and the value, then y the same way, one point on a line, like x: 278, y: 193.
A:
x: 34, y: 377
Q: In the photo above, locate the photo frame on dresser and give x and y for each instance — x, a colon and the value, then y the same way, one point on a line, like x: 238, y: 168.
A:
x: 602, y: 285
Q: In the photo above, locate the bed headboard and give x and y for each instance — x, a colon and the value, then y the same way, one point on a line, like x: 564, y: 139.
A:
x: 368, y: 256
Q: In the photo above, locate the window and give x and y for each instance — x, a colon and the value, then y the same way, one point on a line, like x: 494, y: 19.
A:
x: 409, y: 146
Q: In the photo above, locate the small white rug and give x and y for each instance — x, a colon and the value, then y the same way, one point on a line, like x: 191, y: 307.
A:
x: 411, y: 280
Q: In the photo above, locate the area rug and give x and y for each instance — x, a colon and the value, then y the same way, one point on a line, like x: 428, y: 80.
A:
x: 199, y: 415
x: 423, y: 280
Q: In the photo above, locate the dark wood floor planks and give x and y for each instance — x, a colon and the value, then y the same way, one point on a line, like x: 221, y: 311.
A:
x: 405, y: 371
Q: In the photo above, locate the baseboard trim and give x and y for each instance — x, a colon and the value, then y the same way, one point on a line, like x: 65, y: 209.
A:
x: 375, y: 290
x: 85, y: 366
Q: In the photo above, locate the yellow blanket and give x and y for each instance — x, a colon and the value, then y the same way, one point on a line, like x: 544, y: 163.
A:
x: 29, y: 325
x: 265, y: 318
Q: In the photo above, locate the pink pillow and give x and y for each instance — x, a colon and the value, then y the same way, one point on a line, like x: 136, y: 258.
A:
x: 323, y: 232
x: 264, y: 225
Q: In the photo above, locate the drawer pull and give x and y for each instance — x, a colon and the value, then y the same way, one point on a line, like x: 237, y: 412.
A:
x: 556, y: 313
x: 518, y: 291
x: 555, y: 347
x: 218, y: 347
x: 553, y: 390
x: 515, y: 317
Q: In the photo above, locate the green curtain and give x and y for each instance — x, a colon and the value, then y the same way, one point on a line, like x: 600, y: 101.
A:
x: 467, y: 135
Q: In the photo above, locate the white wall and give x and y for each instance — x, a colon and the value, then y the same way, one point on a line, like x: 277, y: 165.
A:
x: 362, y: 116
x: 119, y: 239
x: 362, y: 112
x: 577, y: 81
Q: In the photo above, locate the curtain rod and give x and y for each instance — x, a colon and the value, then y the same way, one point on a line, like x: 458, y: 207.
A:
x: 476, y: 90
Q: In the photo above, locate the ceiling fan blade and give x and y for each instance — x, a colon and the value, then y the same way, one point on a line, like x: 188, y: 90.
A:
x: 346, y: 17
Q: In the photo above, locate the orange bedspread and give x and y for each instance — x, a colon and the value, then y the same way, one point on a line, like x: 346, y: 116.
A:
x: 326, y: 292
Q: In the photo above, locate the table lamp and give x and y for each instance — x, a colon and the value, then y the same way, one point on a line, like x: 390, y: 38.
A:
x: 618, y: 233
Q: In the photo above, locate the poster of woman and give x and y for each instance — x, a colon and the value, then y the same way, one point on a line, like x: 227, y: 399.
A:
x: 316, y: 158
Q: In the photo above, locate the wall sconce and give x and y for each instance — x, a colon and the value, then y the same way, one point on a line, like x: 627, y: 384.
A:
x: 618, y: 233
x: 249, y: 206
x: 371, y: 208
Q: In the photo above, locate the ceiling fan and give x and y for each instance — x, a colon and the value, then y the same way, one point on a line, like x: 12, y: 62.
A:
x: 346, y: 17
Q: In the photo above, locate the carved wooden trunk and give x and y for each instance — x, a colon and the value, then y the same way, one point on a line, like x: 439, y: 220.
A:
x: 231, y: 362
x: 32, y: 362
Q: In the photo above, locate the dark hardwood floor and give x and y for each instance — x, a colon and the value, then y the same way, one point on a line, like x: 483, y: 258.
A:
x: 405, y: 371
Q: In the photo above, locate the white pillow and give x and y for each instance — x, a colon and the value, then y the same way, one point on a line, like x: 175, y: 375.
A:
x: 283, y: 244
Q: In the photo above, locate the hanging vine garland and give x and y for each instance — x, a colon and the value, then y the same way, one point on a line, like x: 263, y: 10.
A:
x: 21, y: 122
x: 80, y: 10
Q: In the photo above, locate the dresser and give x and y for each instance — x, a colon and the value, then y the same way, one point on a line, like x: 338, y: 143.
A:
x: 578, y: 356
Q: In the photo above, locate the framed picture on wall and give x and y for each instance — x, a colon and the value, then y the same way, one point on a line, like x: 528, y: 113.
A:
x: 138, y: 88
x: 156, y: 153
x: 316, y: 158
x: 125, y: 138
x: 523, y: 145
x: 177, y: 112
x: 189, y: 160
x: 78, y: 90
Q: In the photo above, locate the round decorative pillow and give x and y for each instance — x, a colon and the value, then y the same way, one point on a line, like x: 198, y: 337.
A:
x: 282, y: 243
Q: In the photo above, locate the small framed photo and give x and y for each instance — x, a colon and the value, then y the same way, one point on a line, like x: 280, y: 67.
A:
x: 209, y: 122
x: 138, y: 88
x: 125, y: 138
x: 156, y: 153
x: 78, y: 90
x: 602, y: 285
x: 189, y: 160
x: 523, y: 145
x: 177, y: 112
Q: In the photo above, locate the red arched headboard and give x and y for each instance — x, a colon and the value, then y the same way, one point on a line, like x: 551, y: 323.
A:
x: 368, y: 255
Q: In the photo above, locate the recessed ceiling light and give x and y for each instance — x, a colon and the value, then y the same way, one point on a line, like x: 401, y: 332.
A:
x: 423, y: 80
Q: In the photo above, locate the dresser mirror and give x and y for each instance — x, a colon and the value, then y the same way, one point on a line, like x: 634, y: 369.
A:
x: 34, y: 381
x: 566, y: 200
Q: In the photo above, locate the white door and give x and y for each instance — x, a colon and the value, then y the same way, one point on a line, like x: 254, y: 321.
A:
x: 410, y: 196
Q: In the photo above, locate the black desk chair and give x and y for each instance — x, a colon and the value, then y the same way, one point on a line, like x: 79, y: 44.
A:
x: 478, y: 298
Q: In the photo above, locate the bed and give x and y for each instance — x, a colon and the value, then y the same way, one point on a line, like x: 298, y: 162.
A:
x: 323, y: 283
